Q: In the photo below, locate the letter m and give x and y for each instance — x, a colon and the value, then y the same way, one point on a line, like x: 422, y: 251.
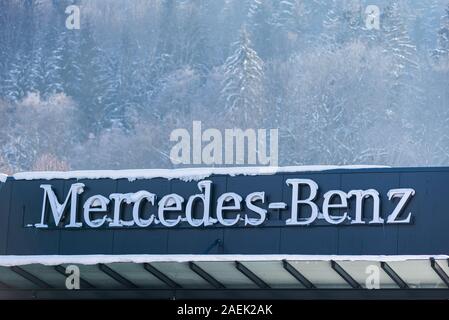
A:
x: 58, y: 208
x: 240, y: 136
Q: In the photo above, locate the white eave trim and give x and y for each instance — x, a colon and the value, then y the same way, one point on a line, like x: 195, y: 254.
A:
x: 12, y: 260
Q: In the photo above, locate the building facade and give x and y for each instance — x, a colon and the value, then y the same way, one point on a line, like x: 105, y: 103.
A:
x: 246, y: 233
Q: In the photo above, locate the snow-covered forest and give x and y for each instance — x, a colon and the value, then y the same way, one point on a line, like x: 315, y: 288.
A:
x: 108, y: 95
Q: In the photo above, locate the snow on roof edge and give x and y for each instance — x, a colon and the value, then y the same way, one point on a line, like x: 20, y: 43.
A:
x: 3, y: 177
x: 50, y: 260
x: 186, y: 174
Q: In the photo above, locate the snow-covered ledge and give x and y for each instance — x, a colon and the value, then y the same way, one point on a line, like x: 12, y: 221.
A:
x: 52, y: 260
x: 185, y: 174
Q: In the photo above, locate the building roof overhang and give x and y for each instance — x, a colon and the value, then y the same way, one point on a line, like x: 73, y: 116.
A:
x: 221, y: 276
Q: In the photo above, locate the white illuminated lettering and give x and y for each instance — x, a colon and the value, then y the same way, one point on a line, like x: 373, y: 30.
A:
x: 227, y: 197
x: 327, y: 205
x: 202, y: 210
x: 171, y: 202
x: 57, y: 208
x: 404, y: 195
x: 295, y: 183
x: 252, y: 197
x: 95, y: 203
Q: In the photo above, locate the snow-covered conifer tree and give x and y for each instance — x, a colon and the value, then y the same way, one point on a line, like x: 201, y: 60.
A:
x: 441, y: 53
x: 398, y: 45
x: 243, y: 81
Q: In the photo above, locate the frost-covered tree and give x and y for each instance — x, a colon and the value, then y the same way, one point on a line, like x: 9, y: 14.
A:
x: 284, y: 14
x: 260, y: 27
x: 18, y: 80
x: 334, y: 104
x: 404, y: 78
x: 138, y: 69
x: 437, y: 96
x: 8, y: 20
x: 232, y: 15
x: 50, y: 162
x: 168, y: 30
x: 342, y: 22
x: 34, y: 126
x: 441, y: 53
x: 243, y: 90
x: 274, y: 26
x: 71, y: 63
x: 397, y: 40
x: 122, y: 88
x: 52, y: 61
x: 426, y: 18
x: 194, y: 45
x: 91, y: 111
x: 402, y: 51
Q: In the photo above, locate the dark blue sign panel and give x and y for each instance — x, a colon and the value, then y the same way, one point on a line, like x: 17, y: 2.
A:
x: 386, y: 211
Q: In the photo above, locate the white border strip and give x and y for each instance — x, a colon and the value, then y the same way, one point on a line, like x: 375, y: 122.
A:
x: 51, y: 260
